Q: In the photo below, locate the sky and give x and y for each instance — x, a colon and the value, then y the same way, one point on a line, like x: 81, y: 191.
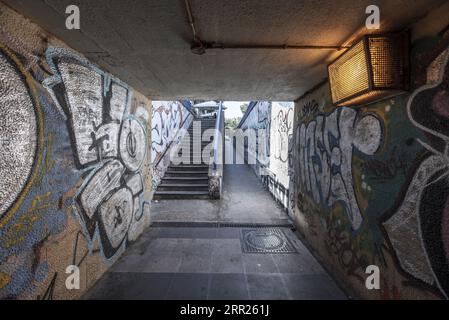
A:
x: 233, y: 109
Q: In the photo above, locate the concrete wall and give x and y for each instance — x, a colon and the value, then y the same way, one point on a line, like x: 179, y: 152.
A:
x: 281, y: 132
x: 75, y: 167
x: 369, y: 183
x: 275, y: 122
x: 170, y: 123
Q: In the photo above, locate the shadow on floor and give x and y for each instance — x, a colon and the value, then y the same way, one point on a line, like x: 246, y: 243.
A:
x: 209, y: 263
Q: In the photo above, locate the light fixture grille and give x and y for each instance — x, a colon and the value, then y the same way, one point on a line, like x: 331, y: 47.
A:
x: 386, y: 62
x: 368, y: 96
x: 349, y: 75
x: 375, y: 68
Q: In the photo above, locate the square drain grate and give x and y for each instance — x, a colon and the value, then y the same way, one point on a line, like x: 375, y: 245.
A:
x: 265, y: 240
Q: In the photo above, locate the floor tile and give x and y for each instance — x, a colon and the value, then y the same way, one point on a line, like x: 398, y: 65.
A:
x: 259, y: 263
x: 131, y: 286
x: 196, y: 256
x: 294, y: 263
x: 227, y: 256
x: 188, y: 286
x: 266, y: 287
x: 228, y: 287
x: 312, y: 287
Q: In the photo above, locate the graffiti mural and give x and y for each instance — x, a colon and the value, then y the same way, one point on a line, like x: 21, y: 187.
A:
x: 170, y: 122
x: 259, y: 119
x: 330, y: 184
x: 29, y: 205
x: 75, y: 168
x: 276, y: 177
x: 369, y: 183
x: 107, y: 140
x: 281, y: 134
x: 423, y: 215
x: 20, y: 131
x: 326, y: 146
x: 168, y: 119
x: 273, y: 125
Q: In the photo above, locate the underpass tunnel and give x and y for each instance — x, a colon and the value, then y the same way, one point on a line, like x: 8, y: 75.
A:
x: 224, y: 150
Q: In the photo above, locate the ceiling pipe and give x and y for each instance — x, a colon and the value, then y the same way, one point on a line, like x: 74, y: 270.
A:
x: 199, y: 47
x: 274, y: 47
x: 190, y: 17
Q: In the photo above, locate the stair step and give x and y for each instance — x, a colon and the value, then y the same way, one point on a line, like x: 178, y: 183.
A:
x: 192, y: 149
x: 193, y: 166
x: 193, y: 178
x: 183, y: 181
x: 191, y: 146
x: 196, y: 148
x: 198, y: 133
x: 203, y: 162
x: 191, y: 132
x: 200, y: 153
x: 198, y: 160
x: 160, y: 195
x: 188, y: 168
x: 191, y: 142
x: 181, y: 193
x: 195, y: 142
x: 183, y: 187
x: 188, y: 172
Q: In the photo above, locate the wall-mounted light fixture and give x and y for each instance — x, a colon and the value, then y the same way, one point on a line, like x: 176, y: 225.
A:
x: 376, y: 67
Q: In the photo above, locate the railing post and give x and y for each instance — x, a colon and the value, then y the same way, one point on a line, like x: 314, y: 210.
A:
x: 216, y: 164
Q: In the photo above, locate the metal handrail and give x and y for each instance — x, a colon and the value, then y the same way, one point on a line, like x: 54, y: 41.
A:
x: 216, y: 167
x: 217, y: 136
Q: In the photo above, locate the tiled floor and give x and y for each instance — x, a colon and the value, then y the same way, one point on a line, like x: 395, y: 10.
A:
x: 208, y: 263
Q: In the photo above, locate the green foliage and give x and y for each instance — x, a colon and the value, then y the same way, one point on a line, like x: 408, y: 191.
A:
x: 244, y: 107
x: 232, y: 123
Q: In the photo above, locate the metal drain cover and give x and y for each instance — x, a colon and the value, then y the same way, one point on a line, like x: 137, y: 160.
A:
x: 265, y: 241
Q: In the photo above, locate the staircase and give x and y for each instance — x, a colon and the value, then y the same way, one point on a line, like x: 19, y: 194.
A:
x: 188, y: 180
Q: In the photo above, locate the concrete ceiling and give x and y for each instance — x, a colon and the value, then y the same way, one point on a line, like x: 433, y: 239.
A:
x: 147, y: 42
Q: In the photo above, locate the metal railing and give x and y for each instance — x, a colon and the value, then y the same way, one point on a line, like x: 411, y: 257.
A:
x: 217, y: 157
